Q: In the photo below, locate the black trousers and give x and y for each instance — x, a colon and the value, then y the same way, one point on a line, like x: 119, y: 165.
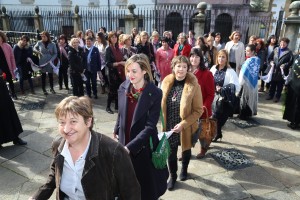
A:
x: 63, y: 76
x: 276, y: 89
x: 50, y: 75
x: 77, y: 84
x: 91, y: 78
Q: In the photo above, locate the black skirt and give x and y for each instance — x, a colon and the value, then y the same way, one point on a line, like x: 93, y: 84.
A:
x: 10, y: 125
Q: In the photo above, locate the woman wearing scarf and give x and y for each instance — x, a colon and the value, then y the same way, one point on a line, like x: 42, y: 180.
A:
x: 115, y: 63
x: 282, y: 58
x: 248, y: 79
x: 47, y: 52
x: 292, y: 101
x: 63, y: 49
x: 182, y: 47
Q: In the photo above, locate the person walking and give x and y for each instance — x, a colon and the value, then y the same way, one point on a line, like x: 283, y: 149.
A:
x: 22, y: 51
x: 47, y: 53
x: 181, y: 108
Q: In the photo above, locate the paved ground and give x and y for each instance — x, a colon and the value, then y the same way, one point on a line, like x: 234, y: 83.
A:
x: 272, y: 146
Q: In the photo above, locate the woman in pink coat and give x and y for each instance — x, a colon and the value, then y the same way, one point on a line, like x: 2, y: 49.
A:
x: 7, y: 63
x: 164, y: 56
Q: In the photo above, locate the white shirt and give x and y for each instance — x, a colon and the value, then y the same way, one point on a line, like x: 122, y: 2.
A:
x: 72, y: 173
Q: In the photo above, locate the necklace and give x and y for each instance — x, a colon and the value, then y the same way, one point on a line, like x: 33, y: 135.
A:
x: 174, y: 97
x: 135, y: 96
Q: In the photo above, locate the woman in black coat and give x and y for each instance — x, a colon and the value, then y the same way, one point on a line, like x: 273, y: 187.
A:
x: 282, y: 57
x: 75, y: 57
x: 139, y: 108
x: 10, y: 125
x: 62, y: 54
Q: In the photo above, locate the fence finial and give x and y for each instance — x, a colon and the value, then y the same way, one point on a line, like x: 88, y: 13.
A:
x: 201, y: 7
x: 36, y: 10
x: 3, y: 10
x: 294, y: 9
x: 76, y: 10
x: 131, y: 8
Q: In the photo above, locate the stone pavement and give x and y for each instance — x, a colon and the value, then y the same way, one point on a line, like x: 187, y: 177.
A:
x: 272, y: 146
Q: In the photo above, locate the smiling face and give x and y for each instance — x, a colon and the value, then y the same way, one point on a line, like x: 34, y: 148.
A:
x: 136, y: 75
x: 236, y: 37
x: 73, y: 128
x: 180, y: 70
x: 89, y: 43
x: 283, y: 44
x: 222, y: 59
x: 249, y: 53
x: 195, y: 60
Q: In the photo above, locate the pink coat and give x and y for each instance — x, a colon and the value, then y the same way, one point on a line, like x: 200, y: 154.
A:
x: 163, y: 61
x: 10, y: 58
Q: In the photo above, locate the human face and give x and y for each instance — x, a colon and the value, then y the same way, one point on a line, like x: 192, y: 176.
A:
x: 155, y: 39
x: 136, y: 75
x: 88, y: 43
x: 181, y: 39
x: 23, y: 42
x: 113, y: 39
x: 283, y: 44
x: 273, y: 40
x: 128, y: 42
x: 191, y: 34
x: 134, y: 32
x: 62, y: 41
x: 258, y: 45
x: 180, y: 71
x: 195, y: 60
x: 144, y: 39
x: 74, y: 129
x: 165, y: 45
x: 44, y: 38
x: 75, y: 44
x: 218, y: 38
x: 222, y: 59
x: 236, y: 37
x: 252, y: 40
x: 249, y: 53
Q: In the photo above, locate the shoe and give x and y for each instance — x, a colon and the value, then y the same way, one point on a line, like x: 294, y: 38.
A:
x: 269, y: 98
x: 183, y: 173
x: 14, y: 97
x: 276, y: 100
x: 109, y: 111
x: 261, y: 89
x: 292, y: 126
x: 171, y: 183
x: 95, y: 97
x: 45, y: 92
x: 67, y: 88
x: 217, y: 137
x: 201, y: 154
x: 19, y: 141
x: 60, y: 87
x: 52, y: 91
x: 32, y: 91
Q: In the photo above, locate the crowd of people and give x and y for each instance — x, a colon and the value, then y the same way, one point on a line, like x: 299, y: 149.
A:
x: 146, y: 77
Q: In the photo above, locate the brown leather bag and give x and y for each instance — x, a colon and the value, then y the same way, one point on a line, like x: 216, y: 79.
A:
x: 208, y: 128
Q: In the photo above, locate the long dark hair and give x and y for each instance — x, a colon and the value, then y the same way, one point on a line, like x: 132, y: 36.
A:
x: 269, y: 40
x: 198, y: 52
x: 102, y: 37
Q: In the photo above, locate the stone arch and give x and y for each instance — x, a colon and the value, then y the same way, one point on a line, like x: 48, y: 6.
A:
x: 223, y: 25
x: 174, y: 22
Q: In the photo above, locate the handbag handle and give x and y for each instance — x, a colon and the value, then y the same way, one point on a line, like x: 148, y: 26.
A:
x: 151, y: 144
x: 206, y: 112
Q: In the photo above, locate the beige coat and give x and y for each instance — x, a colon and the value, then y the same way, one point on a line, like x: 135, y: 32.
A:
x: 190, y: 106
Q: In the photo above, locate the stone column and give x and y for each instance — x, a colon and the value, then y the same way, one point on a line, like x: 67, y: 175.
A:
x: 38, y: 20
x: 77, y: 20
x: 199, y: 20
x: 292, y: 25
x: 5, y: 20
x: 131, y: 20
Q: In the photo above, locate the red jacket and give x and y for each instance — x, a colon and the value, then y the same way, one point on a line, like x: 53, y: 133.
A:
x: 206, y: 82
x: 185, y: 51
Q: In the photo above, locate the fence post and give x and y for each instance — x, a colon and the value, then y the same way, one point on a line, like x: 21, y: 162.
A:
x: 38, y: 19
x: 5, y: 20
x: 77, y: 20
x: 292, y: 25
x: 131, y: 20
x: 199, y: 20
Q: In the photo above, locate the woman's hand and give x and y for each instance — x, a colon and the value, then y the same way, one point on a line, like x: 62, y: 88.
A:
x: 177, y: 128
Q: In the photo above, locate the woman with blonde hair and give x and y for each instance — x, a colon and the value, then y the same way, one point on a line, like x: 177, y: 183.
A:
x: 155, y: 41
x: 145, y: 47
x: 236, y: 51
x: 139, y: 108
x: 181, y: 108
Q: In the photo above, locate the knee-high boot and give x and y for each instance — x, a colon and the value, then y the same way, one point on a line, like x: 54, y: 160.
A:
x: 186, y: 156
x: 173, y: 173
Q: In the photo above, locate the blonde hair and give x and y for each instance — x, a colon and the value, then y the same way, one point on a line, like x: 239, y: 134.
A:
x: 121, y: 39
x: 233, y: 33
x: 180, y: 59
x: 143, y: 62
x: 126, y: 37
x: 71, y: 43
x: 77, y: 106
x: 224, y: 52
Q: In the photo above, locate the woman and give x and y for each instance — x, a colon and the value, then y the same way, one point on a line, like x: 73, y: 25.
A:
x: 92, y: 64
x: 292, y: 101
x: 134, y: 33
x: 90, y: 33
x: 218, y: 42
x: 181, y: 108
x: 80, y: 36
x: 155, y: 42
x: 211, y: 51
x: 127, y: 50
x: 145, y: 47
x: 22, y: 51
x: 164, y: 58
x: 261, y: 54
x: 47, y: 51
x: 139, y: 108
x: 101, y: 44
x: 10, y: 125
x: 63, y: 49
x: 75, y: 57
x: 282, y: 56
x: 7, y: 63
x: 206, y: 82
x: 248, y: 79
x: 191, y: 38
x: 226, y: 87
x: 236, y: 51
x: 271, y: 44
x: 86, y: 164
x: 115, y: 63
x: 182, y: 47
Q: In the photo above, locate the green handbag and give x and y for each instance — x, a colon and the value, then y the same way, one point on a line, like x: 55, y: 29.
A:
x: 162, y: 152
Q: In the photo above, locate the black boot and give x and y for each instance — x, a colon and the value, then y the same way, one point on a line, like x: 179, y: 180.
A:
x: 173, y: 174
x: 186, y: 156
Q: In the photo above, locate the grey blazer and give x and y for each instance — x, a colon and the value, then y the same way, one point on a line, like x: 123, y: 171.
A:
x: 46, y: 54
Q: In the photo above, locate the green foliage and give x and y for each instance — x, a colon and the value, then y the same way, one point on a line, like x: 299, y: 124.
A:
x: 258, y: 5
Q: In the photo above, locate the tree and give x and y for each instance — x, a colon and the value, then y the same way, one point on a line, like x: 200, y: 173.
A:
x: 257, y: 5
